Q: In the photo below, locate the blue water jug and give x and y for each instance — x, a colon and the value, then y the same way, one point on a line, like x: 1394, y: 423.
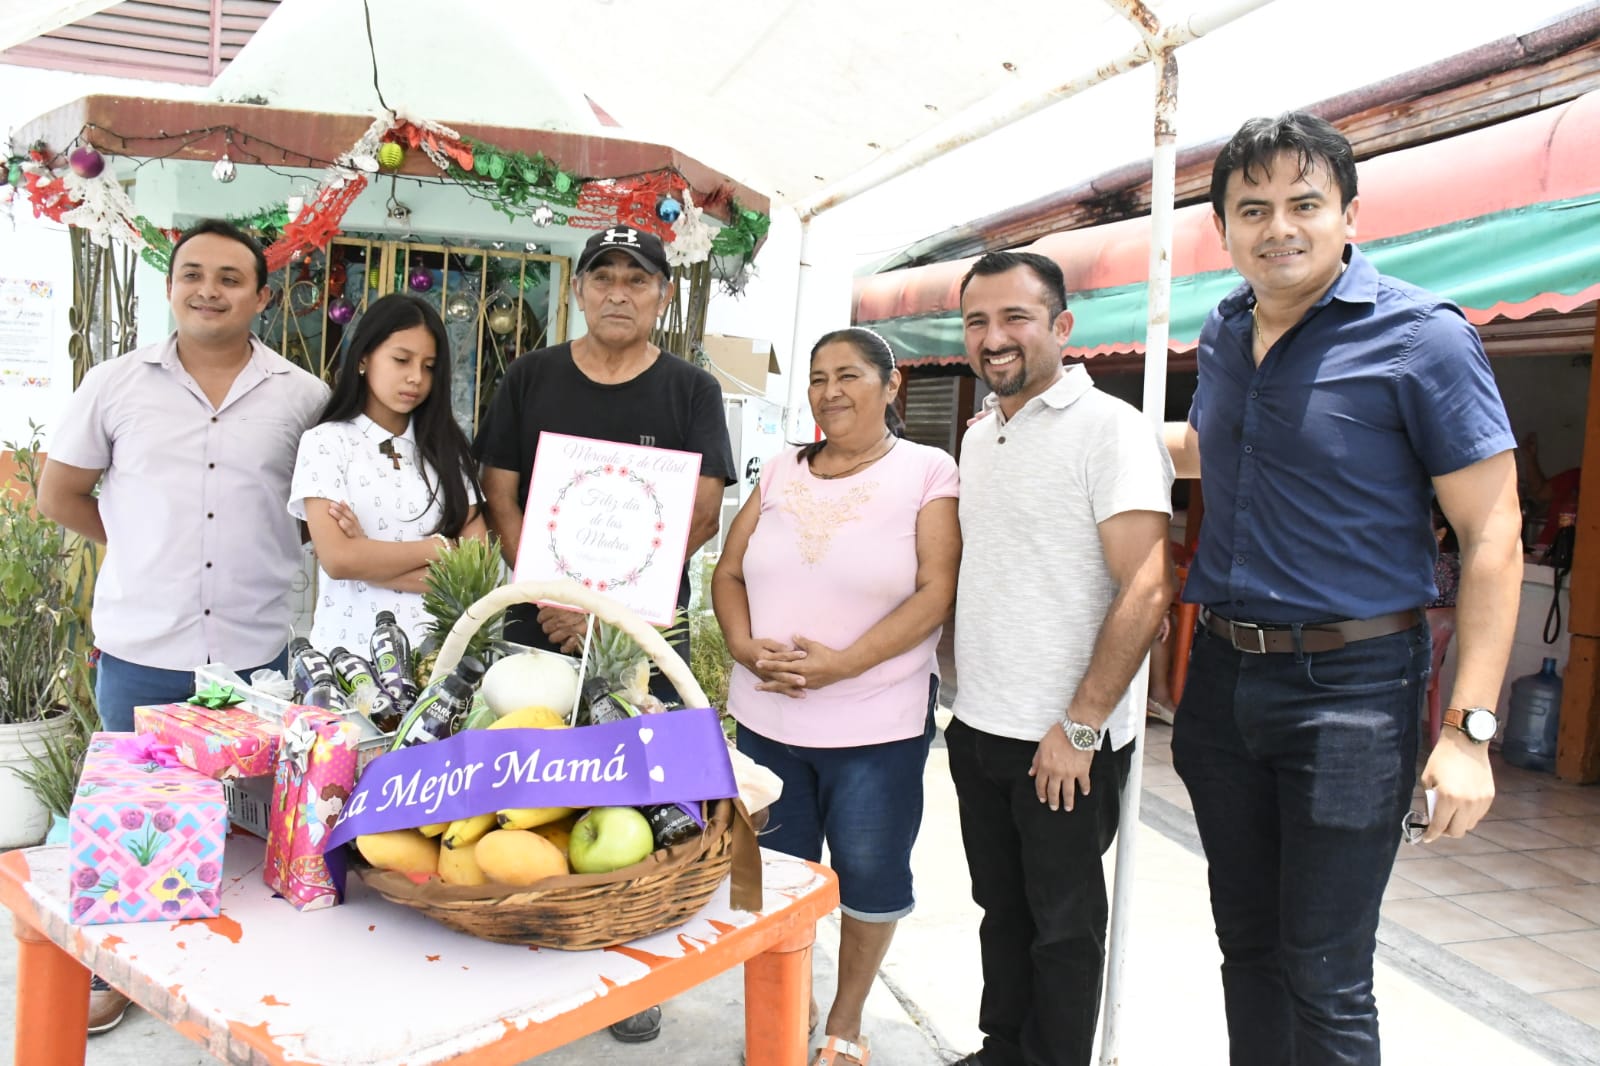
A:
x: 1534, y: 721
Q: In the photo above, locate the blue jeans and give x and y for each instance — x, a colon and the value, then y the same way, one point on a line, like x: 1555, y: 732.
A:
x: 1037, y: 875
x: 1301, y: 768
x: 865, y: 801
x: 120, y: 686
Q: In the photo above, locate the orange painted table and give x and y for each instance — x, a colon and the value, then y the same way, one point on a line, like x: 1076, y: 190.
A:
x: 263, y: 983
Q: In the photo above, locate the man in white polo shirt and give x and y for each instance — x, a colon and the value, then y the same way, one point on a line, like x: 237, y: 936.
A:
x: 191, y: 441
x: 1065, y: 576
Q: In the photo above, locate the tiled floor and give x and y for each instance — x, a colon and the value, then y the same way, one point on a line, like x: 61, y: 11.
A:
x: 1519, y: 897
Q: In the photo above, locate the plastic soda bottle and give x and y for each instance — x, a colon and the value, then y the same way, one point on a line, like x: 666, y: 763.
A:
x: 670, y: 823
x: 604, y: 704
x: 440, y: 707
x: 308, y: 667
x: 324, y: 694
x: 391, y: 657
x: 354, y: 674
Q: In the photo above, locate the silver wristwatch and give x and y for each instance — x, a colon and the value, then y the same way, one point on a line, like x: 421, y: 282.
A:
x: 1080, y: 736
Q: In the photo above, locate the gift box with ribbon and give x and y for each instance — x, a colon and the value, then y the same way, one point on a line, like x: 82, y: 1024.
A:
x: 146, y: 834
x: 214, y: 733
x: 315, y: 773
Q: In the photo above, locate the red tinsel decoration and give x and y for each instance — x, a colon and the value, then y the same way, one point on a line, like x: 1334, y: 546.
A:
x: 414, y: 136
x: 49, y: 195
x: 630, y: 202
x: 317, y: 223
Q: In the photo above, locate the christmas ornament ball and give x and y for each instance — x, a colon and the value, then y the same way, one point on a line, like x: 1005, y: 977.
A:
x: 341, y: 311
x: 374, y: 278
x: 421, y: 279
x: 502, y: 320
x: 668, y: 209
x: 86, y: 162
x: 458, y: 308
x: 391, y: 155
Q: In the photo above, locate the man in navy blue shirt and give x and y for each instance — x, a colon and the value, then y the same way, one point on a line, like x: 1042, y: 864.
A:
x: 1333, y: 404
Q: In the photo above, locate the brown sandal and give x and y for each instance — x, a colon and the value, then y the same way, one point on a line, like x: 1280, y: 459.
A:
x: 837, y: 1052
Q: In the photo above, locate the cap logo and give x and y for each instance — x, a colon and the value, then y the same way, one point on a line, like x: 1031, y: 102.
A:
x: 621, y: 236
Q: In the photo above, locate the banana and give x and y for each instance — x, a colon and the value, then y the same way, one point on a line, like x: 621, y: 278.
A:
x: 464, y: 832
x: 433, y: 829
x: 529, y: 817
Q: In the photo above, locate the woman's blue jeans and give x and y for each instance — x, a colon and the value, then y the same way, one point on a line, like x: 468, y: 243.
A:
x: 1301, y: 768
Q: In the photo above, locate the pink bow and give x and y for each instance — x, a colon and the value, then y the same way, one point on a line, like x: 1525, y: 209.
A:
x: 145, y: 748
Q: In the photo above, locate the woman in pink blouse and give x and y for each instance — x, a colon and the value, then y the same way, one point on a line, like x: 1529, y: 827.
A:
x: 834, y: 584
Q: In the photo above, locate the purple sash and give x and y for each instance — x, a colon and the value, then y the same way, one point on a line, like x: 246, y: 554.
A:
x: 679, y: 757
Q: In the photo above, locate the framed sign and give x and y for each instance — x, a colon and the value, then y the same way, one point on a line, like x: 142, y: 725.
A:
x: 612, y: 517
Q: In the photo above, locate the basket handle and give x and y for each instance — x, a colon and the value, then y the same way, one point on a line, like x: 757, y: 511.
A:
x: 570, y: 592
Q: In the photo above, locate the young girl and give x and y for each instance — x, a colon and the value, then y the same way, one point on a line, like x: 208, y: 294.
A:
x: 384, y: 479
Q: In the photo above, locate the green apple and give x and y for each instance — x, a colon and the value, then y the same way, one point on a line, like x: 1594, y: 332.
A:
x: 609, y: 838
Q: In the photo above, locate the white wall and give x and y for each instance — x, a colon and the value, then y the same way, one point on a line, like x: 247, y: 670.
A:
x: 1547, y: 395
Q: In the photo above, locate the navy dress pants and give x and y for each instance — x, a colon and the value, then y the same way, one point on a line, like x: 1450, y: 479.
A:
x: 1301, y: 768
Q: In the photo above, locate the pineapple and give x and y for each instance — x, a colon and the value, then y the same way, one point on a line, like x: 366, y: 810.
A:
x: 457, y: 579
x: 618, y: 658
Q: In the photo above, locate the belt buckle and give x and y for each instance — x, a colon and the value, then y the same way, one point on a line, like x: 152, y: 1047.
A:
x: 1259, y: 631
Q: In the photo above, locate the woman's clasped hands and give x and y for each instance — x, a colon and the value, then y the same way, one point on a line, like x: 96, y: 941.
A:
x: 792, y: 669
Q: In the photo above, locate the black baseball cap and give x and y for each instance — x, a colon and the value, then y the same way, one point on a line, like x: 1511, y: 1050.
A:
x: 644, y: 248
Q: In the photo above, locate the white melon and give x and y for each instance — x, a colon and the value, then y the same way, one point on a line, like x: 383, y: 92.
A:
x: 531, y: 678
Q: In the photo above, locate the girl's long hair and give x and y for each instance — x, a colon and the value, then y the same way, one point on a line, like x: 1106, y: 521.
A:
x: 440, y: 441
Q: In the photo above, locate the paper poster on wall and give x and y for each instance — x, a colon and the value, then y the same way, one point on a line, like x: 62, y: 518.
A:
x: 35, y: 361
x: 27, y: 333
x: 612, y: 517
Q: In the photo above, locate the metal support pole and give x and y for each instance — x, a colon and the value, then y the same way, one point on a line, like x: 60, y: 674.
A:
x: 799, y: 374
x: 1163, y: 182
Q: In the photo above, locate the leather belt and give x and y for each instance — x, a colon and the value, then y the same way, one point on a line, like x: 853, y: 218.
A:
x: 1276, y: 638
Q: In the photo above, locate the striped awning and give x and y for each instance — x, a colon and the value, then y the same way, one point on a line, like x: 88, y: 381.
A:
x: 1503, y: 221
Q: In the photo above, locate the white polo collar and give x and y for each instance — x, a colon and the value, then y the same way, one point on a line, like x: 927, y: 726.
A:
x: 1068, y: 388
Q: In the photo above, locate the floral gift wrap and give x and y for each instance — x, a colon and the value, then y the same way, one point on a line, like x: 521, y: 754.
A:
x: 146, y: 835
x: 220, y: 742
x: 316, y: 772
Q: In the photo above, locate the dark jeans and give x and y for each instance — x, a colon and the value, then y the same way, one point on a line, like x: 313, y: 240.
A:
x: 1037, y: 875
x: 1301, y: 769
x: 120, y: 686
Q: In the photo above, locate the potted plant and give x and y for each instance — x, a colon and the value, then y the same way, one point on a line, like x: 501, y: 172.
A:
x: 43, y: 646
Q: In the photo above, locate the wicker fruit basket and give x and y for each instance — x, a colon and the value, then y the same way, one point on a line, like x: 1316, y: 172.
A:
x: 580, y: 912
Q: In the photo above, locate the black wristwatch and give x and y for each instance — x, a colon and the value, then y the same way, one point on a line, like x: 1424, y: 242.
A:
x: 1478, y: 723
x: 1080, y: 736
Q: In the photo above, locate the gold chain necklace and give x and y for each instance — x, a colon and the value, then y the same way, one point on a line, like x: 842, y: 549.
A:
x: 890, y: 437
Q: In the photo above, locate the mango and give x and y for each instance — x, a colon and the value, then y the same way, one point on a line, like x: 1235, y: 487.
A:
x: 518, y: 857
x: 559, y: 833
x: 405, y: 850
x: 459, y: 866
x: 534, y: 717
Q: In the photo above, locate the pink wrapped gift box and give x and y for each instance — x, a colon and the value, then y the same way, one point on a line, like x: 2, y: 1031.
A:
x: 222, y: 742
x: 146, y: 835
x: 316, y: 772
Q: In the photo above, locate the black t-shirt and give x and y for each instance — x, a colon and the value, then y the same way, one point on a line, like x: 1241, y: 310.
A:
x: 672, y: 404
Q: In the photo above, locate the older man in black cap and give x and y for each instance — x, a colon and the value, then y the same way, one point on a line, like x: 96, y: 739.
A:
x: 609, y: 384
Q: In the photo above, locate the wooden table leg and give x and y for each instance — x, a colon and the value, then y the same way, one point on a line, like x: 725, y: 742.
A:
x: 52, y: 1001
x: 777, y: 1002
